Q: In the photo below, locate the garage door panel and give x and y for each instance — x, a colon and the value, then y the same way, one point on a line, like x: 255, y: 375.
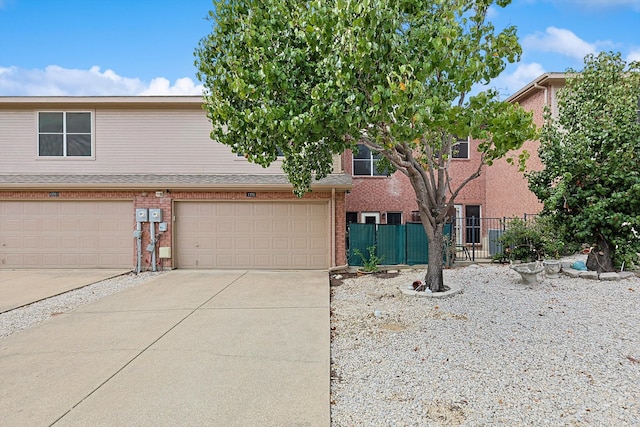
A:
x: 281, y: 226
x: 13, y: 242
x: 253, y: 234
x: 299, y: 244
x: 223, y: 243
x: 9, y: 225
x: 66, y: 234
x: 69, y: 242
x: 221, y: 226
x: 281, y: 243
x: 33, y: 243
x: 33, y: 261
x: 11, y: 259
x: 262, y: 225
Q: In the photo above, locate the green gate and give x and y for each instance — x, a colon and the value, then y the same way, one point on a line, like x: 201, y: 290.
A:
x: 395, y: 244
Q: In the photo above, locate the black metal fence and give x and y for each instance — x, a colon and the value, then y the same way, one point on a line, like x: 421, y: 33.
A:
x: 477, y: 238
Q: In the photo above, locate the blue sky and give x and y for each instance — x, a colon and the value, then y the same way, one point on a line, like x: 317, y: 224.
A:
x: 145, y: 47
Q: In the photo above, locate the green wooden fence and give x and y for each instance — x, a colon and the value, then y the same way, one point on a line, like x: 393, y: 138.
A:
x: 396, y: 244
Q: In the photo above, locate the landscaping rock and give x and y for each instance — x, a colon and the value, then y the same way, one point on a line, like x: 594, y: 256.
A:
x: 626, y: 274
x: 591, y: 275
x: 571, y: 272
x: 609, y: 276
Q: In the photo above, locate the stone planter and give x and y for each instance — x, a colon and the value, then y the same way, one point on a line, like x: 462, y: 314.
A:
x: 529, y: 272
x: 552, y: 268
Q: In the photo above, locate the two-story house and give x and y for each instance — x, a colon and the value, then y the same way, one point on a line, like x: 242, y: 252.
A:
x: 91, y: 182
x: 501, y: 191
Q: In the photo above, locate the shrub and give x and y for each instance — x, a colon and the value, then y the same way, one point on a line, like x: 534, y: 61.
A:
x: 533, y: 240
x: 370, y: 263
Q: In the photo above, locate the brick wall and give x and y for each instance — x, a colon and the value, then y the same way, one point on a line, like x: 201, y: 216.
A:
x: 395, y: 193
x: 508, y: 192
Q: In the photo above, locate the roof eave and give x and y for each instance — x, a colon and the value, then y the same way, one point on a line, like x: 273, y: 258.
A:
x: 133, y: 186
x: 545, y: 80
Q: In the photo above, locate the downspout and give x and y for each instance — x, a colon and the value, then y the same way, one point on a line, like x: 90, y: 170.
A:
x: 333, y: 227
x: 545, y: 88
x: 138, y: 236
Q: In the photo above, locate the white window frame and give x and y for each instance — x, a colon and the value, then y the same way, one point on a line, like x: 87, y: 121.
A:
x: 458, y: 224
x: 64, y: 155
x: 373, y: 167
x: 365, y: 215
x: 466, y: 141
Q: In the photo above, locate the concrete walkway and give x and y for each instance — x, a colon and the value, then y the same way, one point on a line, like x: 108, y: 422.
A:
x: 188, y: 348
x: 21, y: 287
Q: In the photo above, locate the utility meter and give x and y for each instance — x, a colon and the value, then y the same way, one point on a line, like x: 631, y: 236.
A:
x: 142, y: 215
x: 155, y: 215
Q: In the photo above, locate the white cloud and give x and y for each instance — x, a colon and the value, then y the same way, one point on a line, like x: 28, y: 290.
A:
x: 559, y: 40
x: 59, y: 81
x: 183, y: 86
x: 509, y: 83
x: 634, y: 55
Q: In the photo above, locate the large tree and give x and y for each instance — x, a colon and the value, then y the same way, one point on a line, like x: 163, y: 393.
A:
x: 309, y: 79
x: 590, y: 184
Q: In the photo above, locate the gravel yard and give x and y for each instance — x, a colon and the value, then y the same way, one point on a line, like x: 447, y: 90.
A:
x: 564, y: 352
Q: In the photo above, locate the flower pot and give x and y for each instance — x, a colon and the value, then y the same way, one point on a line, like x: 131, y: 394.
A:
x: 552, y: 268
x: 529, y: 272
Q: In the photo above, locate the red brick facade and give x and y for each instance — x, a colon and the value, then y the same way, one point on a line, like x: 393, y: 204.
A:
x: 381, y: 194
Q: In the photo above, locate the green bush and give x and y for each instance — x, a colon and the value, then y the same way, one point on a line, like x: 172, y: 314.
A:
x: 534, y: 240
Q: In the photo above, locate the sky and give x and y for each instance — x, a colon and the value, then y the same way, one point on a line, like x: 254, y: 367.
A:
x: 145, y: 47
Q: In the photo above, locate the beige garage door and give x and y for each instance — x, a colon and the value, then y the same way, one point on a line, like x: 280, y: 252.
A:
x: 66, y: 234
x: 254, y: 235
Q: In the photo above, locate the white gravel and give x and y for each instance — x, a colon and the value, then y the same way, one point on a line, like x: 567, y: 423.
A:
x: 30, y: 315
x: 564, y: 352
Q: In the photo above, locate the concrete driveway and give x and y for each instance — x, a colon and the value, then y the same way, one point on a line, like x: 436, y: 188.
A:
x: 232, y: 348
x: 21, y: 287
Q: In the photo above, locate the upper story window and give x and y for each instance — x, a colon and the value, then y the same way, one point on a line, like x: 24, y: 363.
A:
x: 65, y: 134
x: 365, y: 162
x: 461, y: 149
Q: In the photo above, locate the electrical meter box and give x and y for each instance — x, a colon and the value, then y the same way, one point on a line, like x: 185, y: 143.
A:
x: 155, y: 215
x: 142, y: 215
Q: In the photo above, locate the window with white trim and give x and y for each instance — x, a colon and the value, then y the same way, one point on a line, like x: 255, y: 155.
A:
x: 65, y: 134
x: 365, y: 162
x: 460, y: 149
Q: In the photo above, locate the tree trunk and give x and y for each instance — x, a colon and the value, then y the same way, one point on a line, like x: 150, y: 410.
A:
x: 433, y: 278
x: 599, y: 258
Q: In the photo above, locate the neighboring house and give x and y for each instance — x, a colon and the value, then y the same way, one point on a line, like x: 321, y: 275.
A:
x: 500, y: 191
x: 76, y: 171
x: 507, y: 189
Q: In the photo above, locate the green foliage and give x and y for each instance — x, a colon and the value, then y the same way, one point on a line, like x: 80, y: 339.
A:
x: 370, y: 262
x: 313, y: 78
x: 521, y: 241
x: 534, y: 239
x: 590, y: 185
